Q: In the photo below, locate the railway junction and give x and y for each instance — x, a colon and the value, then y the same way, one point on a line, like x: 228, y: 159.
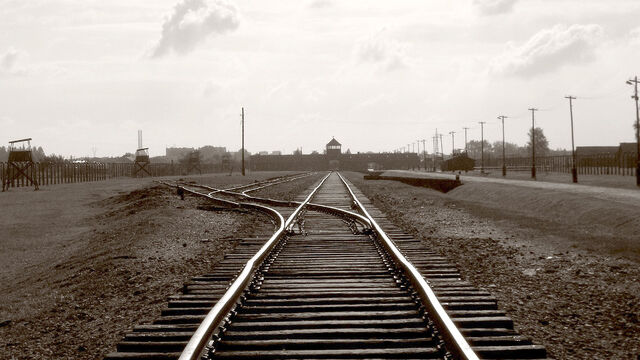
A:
x: 329, y: 283
x: 320, y: 265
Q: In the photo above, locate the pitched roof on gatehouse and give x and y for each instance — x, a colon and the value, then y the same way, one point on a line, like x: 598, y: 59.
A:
x: 334, y: 142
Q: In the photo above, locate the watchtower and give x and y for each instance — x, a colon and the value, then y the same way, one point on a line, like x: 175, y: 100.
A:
x: 334, y: 149
x: 141, y: 162
x: 142, y: 159
x: 20, y: 163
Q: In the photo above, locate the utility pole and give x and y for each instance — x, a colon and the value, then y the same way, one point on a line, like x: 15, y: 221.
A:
x: 418, y: 152
x: 482, y: 146
x: 504, y: 160
x: 574, y: 170
x: 635, y: 97
x: 533, y: 142
x: 243, y: 141
x: 441, y: 147
x: 465, y: 141
x: 453, y: 142
x: 435, y: 150
x: 424, y: 154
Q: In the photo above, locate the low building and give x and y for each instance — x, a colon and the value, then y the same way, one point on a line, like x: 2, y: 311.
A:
x: 334, y: 159
x: 628, y: 148
x: 596, y: 150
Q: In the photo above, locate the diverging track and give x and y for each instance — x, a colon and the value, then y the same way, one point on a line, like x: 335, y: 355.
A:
x: 326, y: 289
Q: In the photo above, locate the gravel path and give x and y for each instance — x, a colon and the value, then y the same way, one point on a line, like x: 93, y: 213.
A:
x: 628, y: 196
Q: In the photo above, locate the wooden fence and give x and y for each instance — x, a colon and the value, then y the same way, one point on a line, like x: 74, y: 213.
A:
x: 599, y: 164
x: 64, y: 173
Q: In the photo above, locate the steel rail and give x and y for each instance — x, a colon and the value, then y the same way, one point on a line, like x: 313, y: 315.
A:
x: 455, y: 343
x: 266, y: 183
x: 198, y: 342
x: 318, y: 207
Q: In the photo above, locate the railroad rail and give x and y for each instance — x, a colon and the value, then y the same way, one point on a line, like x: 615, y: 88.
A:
x: 327, y: 289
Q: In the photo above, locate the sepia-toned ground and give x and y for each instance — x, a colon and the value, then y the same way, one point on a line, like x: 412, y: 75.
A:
x: 82, y: 263
x: 564, y: 266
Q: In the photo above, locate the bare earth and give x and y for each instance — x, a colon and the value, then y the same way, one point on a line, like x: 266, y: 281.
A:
x: 82, y: 263
x: 564, y: 267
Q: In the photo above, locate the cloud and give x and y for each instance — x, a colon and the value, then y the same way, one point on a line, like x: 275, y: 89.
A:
x: 380, y: 49
x: 549, y: 50
x: 493, y: 7
x: 319, y: 4
x: 10, y: 62
x: 192, y: 22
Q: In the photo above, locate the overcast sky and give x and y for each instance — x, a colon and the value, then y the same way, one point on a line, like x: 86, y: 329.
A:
x: 377, y: 75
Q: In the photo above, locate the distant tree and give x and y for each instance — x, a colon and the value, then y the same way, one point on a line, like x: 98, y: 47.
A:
x: 297, y: 152
x: 38, y: 154
x: 4, y: 154
x: 348, y: 151
x: 474, y: 148
x: 510, y: 149
x: 315, y: 152
x: 542, y: 144
x: 53, y: 158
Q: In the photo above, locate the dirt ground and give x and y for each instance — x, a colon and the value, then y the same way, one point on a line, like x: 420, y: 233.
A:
x: 571, y: 283
x: 82, y: 263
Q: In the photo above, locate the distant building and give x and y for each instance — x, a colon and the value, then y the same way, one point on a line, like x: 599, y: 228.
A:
x: 624, y: 149
x: 596, y: 150
x: 334, y: 159
x: 334, y: 149
x: 628, y: 148
x: 212, y: 154
x: 263, y: 153
x: 276, y: 152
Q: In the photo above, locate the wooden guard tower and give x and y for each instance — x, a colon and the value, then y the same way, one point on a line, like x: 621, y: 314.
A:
x: 20, y: 163
x: 141, y: 163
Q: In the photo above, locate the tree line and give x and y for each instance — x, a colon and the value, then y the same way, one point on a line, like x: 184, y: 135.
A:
x: 474, y: 147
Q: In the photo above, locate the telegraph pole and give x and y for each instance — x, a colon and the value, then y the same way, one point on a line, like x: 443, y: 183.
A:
x: 504, y: 159
x: 482, y: 146
x: 441, y: 147
x: 635, y: 97
x: 465, y: 141
x: 435, y: 150
x: 453, y: 142
x: 243, y: 141
x: 533, y: 142
x: 424, y: 154
x: 574, y: 170
x: 418, y: 152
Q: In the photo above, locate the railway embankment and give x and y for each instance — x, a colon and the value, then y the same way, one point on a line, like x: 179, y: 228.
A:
x: 565, y: 263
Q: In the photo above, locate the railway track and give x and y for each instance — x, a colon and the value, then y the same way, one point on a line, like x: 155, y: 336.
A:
x: 342, y: 283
